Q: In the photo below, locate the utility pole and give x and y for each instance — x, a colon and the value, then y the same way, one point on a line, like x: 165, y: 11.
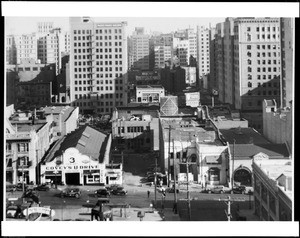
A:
x: 23, y: 186
x: 174, y: 172
x: 155, y: 181
x: 169, y: 174
x: 232, y: 175
x: 188, y: 191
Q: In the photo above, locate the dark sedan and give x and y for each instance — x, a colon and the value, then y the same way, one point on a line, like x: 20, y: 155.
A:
x: 102, y: 192
x: 119, y: 191
x: 42, y: 187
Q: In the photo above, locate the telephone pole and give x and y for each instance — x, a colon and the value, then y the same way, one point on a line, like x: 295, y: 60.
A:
x: 174, y: 172
x: 155, y: 181
x: 188, y: 191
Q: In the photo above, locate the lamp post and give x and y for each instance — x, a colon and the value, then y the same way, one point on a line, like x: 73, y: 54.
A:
x: 23, y: 186
x: 155, y: 182
x: 174, y: 172
x: 188, y: 191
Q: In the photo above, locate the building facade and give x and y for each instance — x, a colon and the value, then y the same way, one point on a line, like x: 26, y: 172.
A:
x: 136, y: 128
x: 98, y: 65
x: 162, y: 53
x: 78, y: 158
x: 287, y: 32
x: 273, y: 200
x: 149, y: 94
x: 139, y: 49
x: 203, y: 53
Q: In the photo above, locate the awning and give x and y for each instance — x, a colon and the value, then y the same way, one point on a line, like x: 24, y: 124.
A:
x: 213, y: 159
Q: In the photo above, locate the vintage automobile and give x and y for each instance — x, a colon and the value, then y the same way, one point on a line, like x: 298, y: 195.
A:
x: 71, y: 192
x: 102, y: 192
x: 119, y: 191
x: 42, y: 187
x: 14, y: 211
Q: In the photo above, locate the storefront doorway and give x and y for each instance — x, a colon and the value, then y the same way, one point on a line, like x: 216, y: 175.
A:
x: 73, y: 178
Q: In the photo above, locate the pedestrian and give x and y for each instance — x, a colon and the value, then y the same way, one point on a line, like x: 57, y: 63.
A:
x: 148, y: 192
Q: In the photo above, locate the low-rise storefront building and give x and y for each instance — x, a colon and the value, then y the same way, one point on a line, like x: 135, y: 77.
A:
x: 79, y: 158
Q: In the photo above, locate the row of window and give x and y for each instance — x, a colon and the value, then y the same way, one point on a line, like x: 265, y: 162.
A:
x: 98, y: 69
x: 263, y: 47
x: 89, y: 63
x: 258, y: 29
x: 264, y: 77
x: 98, y: 82
x: 101, y: 96
x: 98, y: 88
x: 264, y: 54
x: 98, y: 31
x: 22, y: 147
x: 263, y: 69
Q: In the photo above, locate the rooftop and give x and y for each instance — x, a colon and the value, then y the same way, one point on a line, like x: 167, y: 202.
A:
x: 242, y: 151
x: 86, y: 139
x: 243, y: 136
x: 64, y: 110
x: 149, y: 87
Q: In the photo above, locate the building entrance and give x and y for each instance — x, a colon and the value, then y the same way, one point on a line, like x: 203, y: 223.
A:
x: 243, y: 176
x: 73, y: 178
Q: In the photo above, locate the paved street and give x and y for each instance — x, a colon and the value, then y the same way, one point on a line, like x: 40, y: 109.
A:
x: 204, y: 207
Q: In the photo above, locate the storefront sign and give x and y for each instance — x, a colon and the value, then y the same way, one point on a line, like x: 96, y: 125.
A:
x: 43, y: 210
x: 71, y: 167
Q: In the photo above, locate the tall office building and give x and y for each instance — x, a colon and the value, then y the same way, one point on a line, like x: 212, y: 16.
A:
x: 11, y: 50
x: 26, y: 48
x: 287, y: 28
x: 249, y: 64
x: 139, y: 49
x: 203, y: 44
x: 50, y: 46
x: 67, y: 41
x: 44, y: 27
x: 162, y: 53
x: 98, y: 65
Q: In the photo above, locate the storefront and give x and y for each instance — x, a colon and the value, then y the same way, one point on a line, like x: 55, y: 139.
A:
x: 73, y: 168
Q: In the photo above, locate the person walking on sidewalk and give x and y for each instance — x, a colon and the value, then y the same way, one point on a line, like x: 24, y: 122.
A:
x: 148, y: 192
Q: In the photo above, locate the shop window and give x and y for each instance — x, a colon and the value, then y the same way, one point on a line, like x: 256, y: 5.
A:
x: 214, y: 174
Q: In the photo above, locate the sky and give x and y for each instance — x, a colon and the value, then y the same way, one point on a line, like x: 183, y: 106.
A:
x: 25, y: 25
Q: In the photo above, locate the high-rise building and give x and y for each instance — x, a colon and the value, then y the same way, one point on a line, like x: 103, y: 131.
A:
x: 50, y: 46
x: 287, y: 27
x: 203, y: 39
x: 66, y: 43
x: 98, y: 65
x: 162, y: 53
x: 44, y: 27
x: 249, y: 64
x: 26, y: 46
x: 11, y: 51
x: 139, y: 49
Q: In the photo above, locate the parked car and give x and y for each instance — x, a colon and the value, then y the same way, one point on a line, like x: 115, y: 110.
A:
x: 102, y: 192
x: 113, y: 187
x: 11, y: 188
x: 172, y: 190
x: 42, y: 187
x: 14, y: 211
x: 239, y: 189
x: 71, y: 192
x: 119, y: 191
x: 219, y: 189
x: 19, y: 187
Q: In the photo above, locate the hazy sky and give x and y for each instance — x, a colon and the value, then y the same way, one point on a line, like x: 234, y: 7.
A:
x: 24, y: 25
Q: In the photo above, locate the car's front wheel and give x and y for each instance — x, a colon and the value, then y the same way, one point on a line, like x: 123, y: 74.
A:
x: 77, y: 195
x: 221, y: 191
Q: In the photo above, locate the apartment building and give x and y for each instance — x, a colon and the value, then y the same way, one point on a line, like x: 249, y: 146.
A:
x: 98, y: 65
x: 139, y: 49
x: 149, y: 93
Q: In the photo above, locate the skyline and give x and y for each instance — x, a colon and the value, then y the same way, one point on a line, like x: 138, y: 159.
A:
x: 27, y: 25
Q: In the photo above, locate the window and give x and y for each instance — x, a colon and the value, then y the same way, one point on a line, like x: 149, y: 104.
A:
x: 23, y: 147
x: 249, y: 85
x: 248, y: 47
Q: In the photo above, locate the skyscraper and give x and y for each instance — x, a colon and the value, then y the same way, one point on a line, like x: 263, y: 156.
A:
x: 248, y: 64
x: 139, y: 49
x: 98, y: 65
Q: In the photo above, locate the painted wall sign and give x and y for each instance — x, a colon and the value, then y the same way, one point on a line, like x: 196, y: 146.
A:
x: 70, y: 167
